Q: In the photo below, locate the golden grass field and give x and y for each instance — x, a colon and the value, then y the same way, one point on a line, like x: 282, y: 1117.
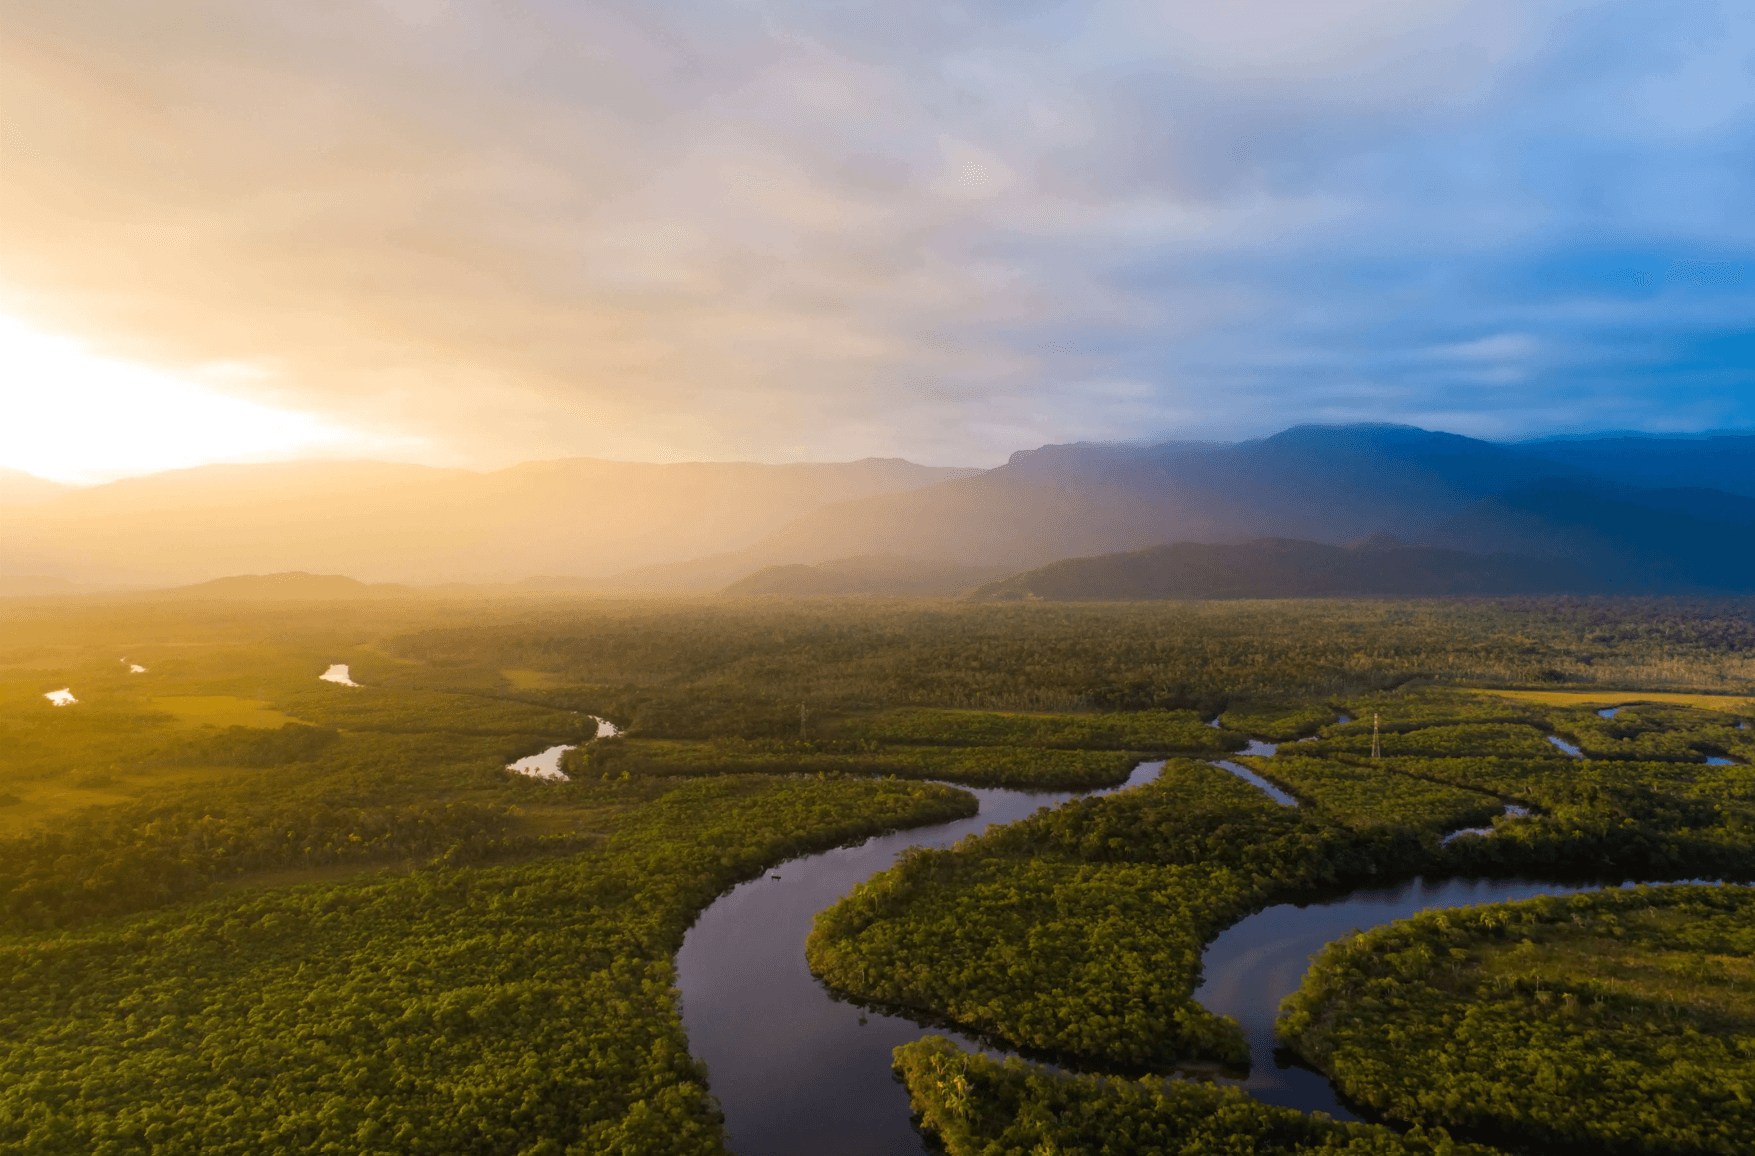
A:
x: 220, y: 710
x: 1731, y: 704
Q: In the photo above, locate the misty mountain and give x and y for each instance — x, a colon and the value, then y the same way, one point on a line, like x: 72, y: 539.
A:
x: 596, y: 526
x: 18, y: 488
x: 379, y: 521
x: 1328, y: 485
x: 879, y: 575
x: 1283, y: 568
x: 1716, y: 461
x: 1323, y: 484
x: 292, y: 587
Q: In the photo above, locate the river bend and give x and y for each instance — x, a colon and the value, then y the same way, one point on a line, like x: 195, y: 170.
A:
x: 799, y: 1073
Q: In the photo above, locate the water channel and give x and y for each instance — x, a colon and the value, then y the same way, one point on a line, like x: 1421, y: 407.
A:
x: 799, y: 1073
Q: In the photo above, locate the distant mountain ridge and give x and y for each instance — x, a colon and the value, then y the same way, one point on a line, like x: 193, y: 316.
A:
x: 1325, y: 484
x: 383, y: 521
x: 295, y: 586
x: 1719, y: 460
x: 18, y: 488
x: 1631, y: 512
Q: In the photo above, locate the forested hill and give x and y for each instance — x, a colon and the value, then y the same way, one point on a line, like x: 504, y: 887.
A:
x: 1683, y: 541
x: 1282, y: 568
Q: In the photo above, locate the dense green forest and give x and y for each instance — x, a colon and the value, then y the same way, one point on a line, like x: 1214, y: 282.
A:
x: 975, y: 1106
x: 1077, y: 932
x: 242, y: 909
x: 862, y: 656
x: 522, y: 1008
x: 1617, y: 1021
x: 1021, y: 768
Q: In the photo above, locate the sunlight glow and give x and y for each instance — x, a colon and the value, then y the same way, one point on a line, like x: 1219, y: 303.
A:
x: 74, y: 417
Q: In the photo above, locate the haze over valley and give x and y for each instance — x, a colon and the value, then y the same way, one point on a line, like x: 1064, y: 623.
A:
x: 1612, y: 513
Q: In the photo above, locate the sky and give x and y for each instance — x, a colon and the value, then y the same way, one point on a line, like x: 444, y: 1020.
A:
x: 475, y: 233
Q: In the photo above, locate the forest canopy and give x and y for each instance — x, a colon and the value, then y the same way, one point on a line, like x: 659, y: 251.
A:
x: 246, y: 909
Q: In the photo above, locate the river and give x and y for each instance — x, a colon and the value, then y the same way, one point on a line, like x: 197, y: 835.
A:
x: 799, y: 1073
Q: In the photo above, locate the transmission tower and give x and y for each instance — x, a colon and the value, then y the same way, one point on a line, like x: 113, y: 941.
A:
x: 1376, y: 742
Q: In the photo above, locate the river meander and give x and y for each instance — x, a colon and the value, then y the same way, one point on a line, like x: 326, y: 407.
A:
x: 799, y: 1073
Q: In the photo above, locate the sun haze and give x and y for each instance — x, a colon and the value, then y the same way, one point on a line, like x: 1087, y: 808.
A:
x: 498, y: 232
x: 74, y: 417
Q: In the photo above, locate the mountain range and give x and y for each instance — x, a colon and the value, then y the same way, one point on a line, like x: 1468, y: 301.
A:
x: 1581, y: 501
x: 1617, y: 512
x: 383, y: 522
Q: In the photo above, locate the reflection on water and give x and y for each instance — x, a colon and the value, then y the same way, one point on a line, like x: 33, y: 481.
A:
x: 1715, y: 761
x: 1609, y: 712
x: 798, y: 1073
x: 1255, y: 964
x: 546, y: 765
x: 1257, y: 747
x: 1511, y: 809
x: 62, y: 697
x: 338, y: 674
x: 1256, y: 780
x: 1566, y: 746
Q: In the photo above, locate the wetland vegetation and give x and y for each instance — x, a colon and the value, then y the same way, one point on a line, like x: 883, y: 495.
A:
x: 244, y: 909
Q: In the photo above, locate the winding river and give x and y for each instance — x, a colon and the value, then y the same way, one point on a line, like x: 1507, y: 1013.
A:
x: 799, y: 1073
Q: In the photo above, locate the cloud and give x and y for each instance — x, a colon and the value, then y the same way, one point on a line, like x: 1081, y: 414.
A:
x: 783, y: 230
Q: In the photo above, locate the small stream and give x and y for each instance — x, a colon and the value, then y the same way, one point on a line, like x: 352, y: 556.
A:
x: 1264, y: 750
x: 547, y: 764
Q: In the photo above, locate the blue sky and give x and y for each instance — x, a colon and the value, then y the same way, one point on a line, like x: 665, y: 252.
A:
x: 478, y: 233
